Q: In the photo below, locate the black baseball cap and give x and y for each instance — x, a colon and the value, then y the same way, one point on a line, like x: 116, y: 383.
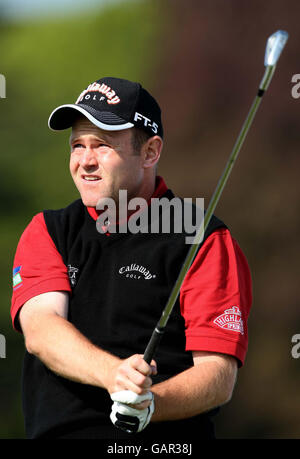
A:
x: 112, y: 104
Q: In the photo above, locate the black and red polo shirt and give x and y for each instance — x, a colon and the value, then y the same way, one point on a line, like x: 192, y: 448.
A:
x: 118, y: 286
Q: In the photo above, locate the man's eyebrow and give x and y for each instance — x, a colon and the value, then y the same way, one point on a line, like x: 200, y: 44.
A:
x: 72, y: 139
x: 105, y: 138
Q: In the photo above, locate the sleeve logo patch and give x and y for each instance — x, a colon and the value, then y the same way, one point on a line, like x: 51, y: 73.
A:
x: 17, y: 279
x: 231, y: 320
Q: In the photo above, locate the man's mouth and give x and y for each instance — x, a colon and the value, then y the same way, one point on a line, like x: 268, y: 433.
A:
x: 91, y: 178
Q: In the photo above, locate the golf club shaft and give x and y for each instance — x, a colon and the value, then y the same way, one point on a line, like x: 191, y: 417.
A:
x: 160, y: 327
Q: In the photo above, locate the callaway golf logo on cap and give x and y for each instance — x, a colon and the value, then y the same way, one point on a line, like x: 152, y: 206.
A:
x: 103, y: 89
x: 112, y: 104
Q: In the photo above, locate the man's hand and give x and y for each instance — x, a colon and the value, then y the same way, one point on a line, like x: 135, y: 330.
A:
x: 127, y: 418
x: 131, y: 374
x: 129, y: 386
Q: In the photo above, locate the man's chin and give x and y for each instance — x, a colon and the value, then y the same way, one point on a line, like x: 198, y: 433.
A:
x: 89, y: 201
x: 94, y: 200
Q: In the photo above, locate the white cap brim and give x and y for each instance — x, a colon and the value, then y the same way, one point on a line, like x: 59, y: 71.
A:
x: 53, y: 119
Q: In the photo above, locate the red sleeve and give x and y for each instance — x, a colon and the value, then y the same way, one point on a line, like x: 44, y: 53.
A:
x: 216, y: 298
x: 38, y: 266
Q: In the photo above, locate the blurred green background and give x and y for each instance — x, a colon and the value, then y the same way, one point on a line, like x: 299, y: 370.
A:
x: 203, y: 60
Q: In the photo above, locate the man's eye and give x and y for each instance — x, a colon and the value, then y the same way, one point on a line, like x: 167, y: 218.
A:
x: 76, y: 146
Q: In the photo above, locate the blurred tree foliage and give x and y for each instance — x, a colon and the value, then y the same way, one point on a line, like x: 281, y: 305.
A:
x: 211, y: 72
x: 203, y: 59
x: 48, y: 63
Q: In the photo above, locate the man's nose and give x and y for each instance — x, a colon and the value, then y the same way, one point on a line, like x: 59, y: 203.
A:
x: 88, y: 158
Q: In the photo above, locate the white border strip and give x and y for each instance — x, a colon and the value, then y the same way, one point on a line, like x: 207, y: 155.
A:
x: 105, y: 127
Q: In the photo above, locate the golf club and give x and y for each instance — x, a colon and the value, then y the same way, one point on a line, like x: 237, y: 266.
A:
x: 275, y: 45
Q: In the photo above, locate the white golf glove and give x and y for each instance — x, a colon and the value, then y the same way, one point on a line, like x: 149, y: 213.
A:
x: 130, y: 419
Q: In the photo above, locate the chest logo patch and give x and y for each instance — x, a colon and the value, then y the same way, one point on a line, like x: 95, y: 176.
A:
x: 231, y: 320
x: 135, y: 271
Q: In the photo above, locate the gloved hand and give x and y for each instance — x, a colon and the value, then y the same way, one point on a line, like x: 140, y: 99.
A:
x: 127, y: 418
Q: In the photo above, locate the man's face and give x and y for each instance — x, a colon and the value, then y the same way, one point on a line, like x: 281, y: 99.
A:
x: 103, y: 162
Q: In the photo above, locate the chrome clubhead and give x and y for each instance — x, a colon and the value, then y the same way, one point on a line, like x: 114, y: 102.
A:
x: 275, y: 45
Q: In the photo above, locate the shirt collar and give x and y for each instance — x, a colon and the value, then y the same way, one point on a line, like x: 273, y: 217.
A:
x: 160, y: 190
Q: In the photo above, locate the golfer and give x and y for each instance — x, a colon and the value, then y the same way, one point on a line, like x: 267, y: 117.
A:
x: 87, y: 298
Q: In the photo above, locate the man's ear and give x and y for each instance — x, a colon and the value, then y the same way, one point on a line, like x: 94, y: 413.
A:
x: 151, y: 151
